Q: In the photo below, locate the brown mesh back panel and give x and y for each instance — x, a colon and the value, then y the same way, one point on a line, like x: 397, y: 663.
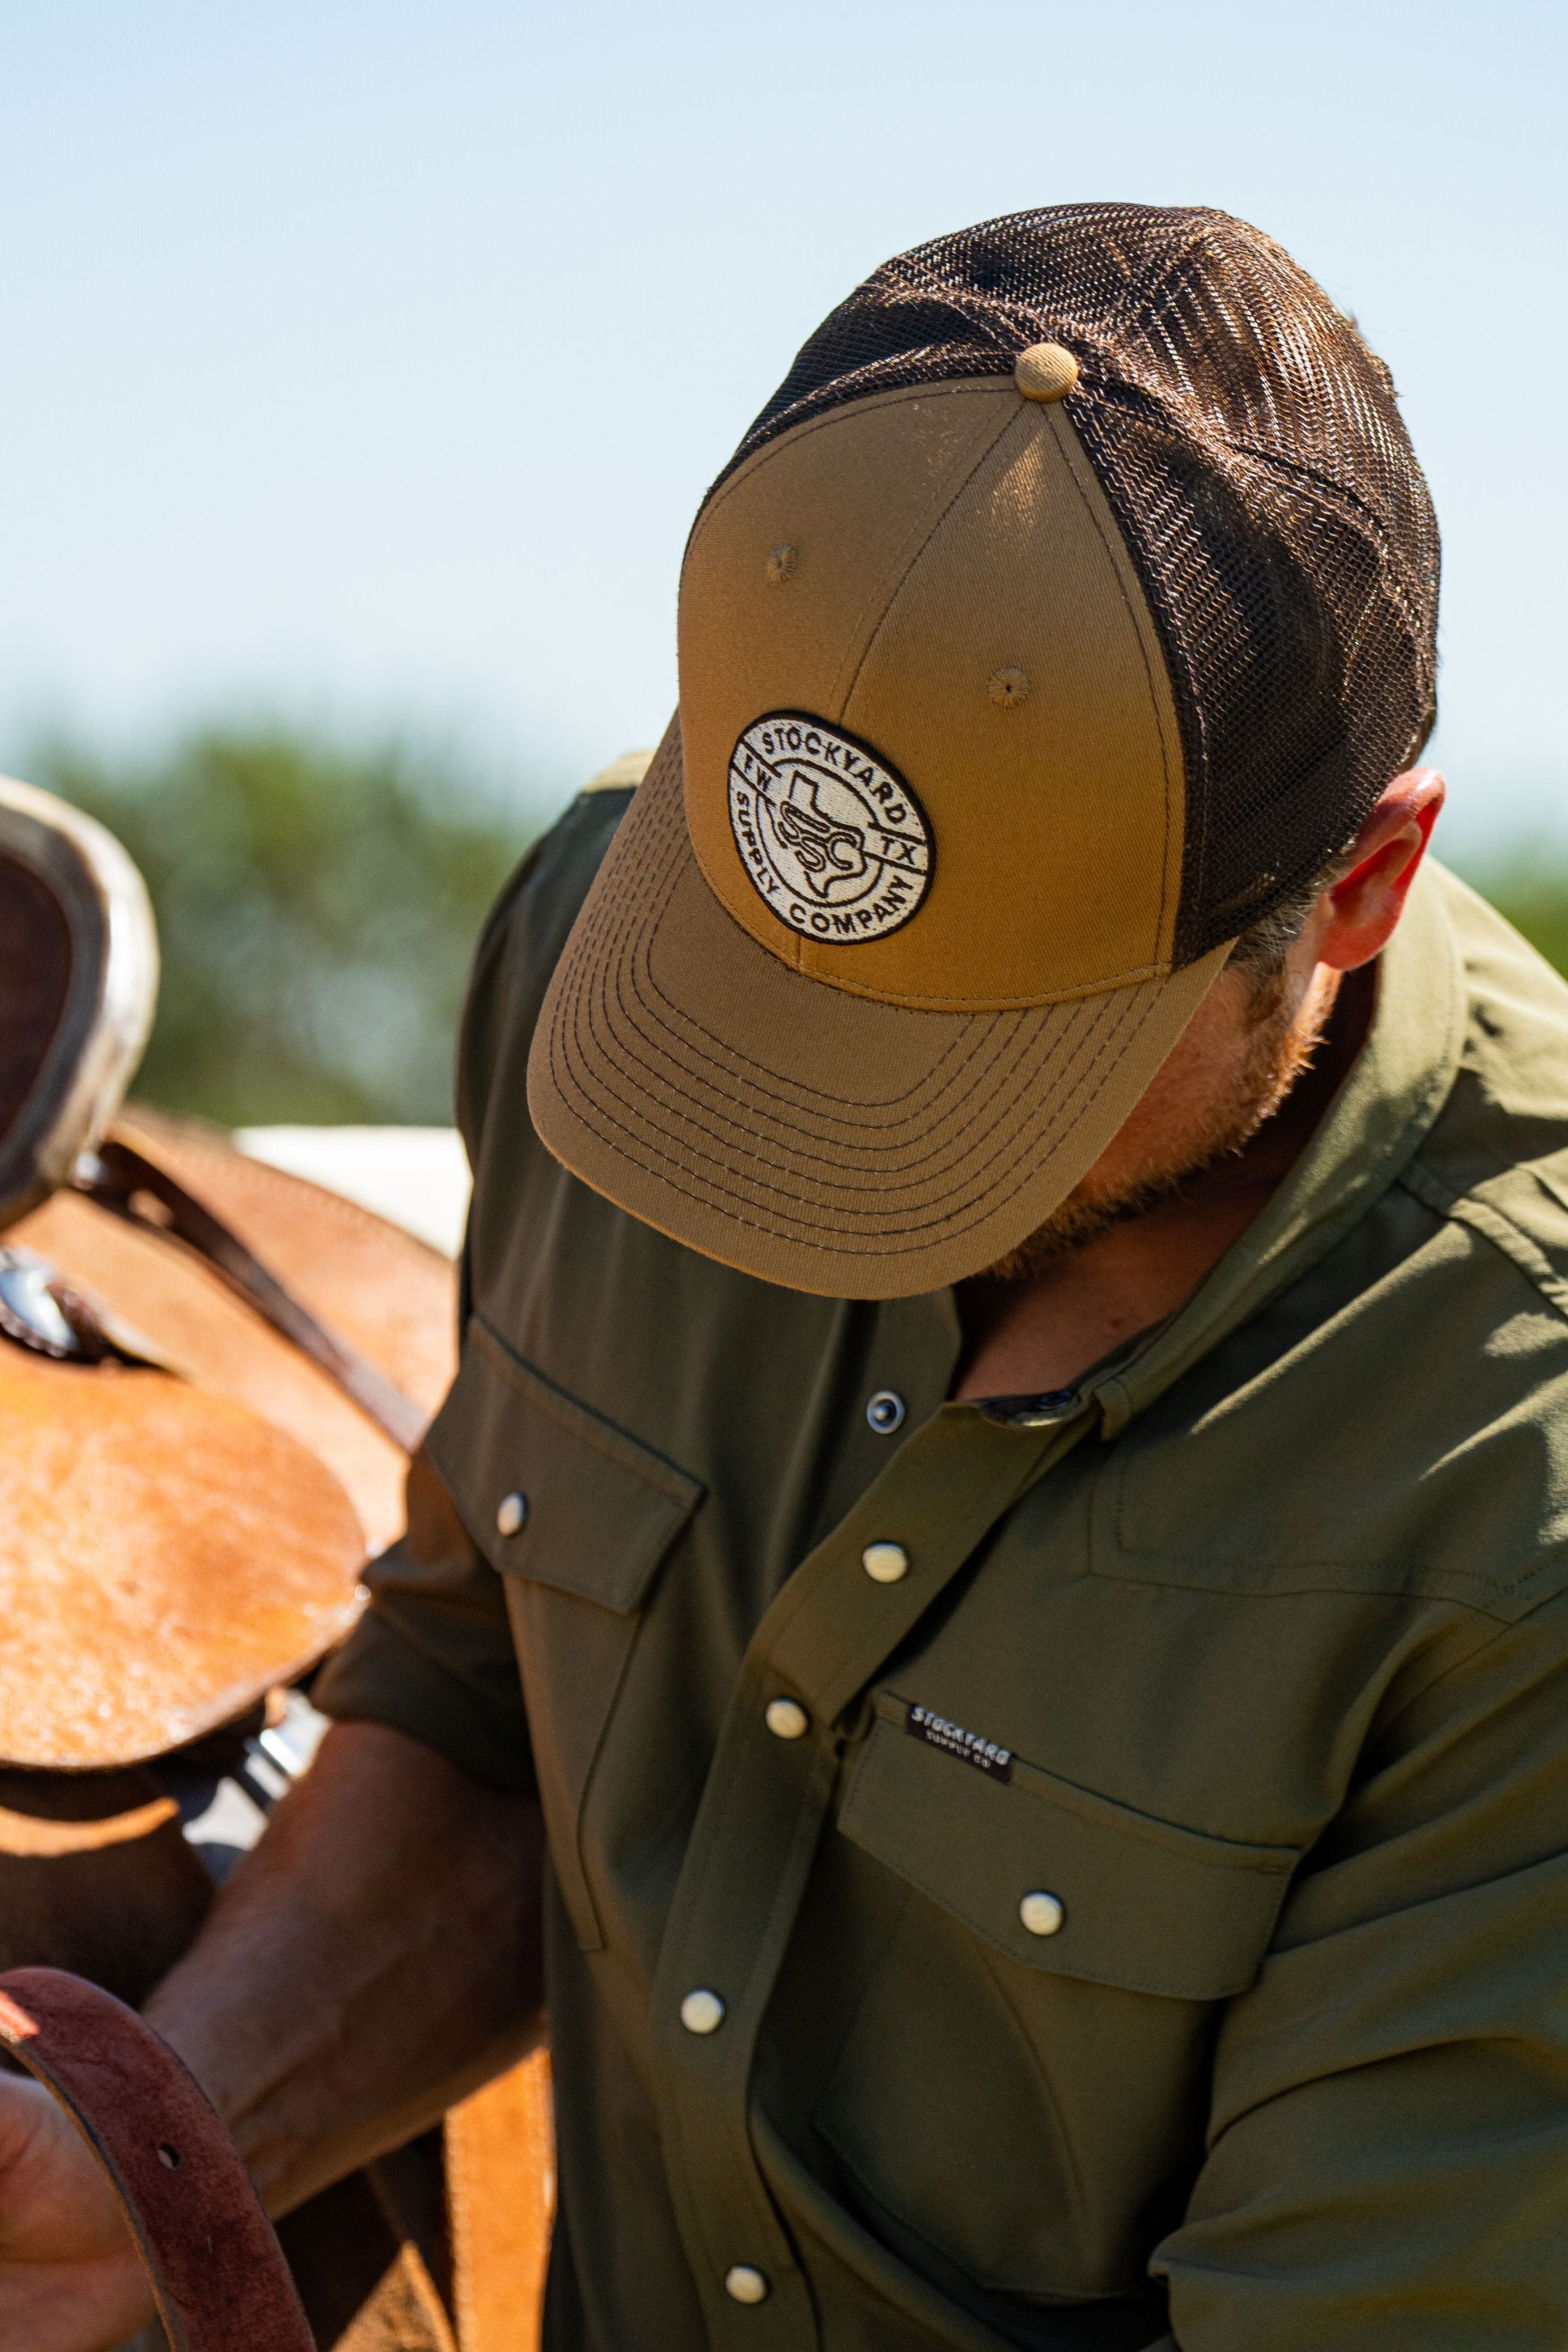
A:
x: 1251, y: 447
x: 35, y: 981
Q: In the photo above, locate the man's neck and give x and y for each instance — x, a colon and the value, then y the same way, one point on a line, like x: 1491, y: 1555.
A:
x: 1027, y: 1337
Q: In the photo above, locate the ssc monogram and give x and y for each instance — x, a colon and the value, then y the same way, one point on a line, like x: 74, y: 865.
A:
x: 832, y: 837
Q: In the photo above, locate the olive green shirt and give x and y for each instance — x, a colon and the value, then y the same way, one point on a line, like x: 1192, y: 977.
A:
x: 1157, y: 1930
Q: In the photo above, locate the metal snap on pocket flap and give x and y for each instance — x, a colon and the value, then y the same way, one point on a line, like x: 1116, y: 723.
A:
x: 1060, y: 1878
x: 549, y: 1489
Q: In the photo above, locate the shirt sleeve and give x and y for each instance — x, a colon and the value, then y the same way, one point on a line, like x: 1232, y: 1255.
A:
x: 433, y: 1655
x: 1387, y: 2156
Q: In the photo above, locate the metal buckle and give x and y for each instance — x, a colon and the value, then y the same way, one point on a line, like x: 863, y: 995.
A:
x: 40, y: 1311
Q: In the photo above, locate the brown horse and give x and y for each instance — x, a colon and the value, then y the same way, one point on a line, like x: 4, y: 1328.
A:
x: 210, y: 1373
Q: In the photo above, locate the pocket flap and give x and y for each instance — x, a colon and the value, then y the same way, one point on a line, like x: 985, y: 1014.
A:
x: 1131, y: 1900
x: 600, y: 1509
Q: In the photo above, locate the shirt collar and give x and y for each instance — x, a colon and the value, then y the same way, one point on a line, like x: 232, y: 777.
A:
x: 1377, y: 1121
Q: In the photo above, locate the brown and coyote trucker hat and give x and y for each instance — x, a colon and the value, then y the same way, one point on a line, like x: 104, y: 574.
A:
x: 1071, y: 602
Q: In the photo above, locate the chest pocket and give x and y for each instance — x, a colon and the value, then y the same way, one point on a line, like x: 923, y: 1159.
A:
x: 578, y: 1516
x: 1008, y: 2099
x: 1060, y: 1879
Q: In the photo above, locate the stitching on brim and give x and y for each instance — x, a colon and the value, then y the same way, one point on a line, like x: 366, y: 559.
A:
x: 579, y: 1074
x: 593, y: 1110
x: 621, y: 940
x: 1014, y: 1040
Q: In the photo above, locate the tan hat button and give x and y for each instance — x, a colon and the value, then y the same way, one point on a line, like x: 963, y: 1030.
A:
x: 1045, y: 371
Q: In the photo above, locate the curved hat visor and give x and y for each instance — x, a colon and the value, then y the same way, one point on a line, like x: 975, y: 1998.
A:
x: 813, y: 1137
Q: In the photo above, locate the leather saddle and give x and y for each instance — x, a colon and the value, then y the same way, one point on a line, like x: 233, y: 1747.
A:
x: 182, y: 1422
x: 210, y: 1374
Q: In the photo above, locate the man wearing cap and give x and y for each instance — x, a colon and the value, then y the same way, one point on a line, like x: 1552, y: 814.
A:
x: 1004, y: 1503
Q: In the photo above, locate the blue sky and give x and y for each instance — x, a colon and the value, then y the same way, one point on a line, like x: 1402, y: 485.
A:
x: 366, y: 360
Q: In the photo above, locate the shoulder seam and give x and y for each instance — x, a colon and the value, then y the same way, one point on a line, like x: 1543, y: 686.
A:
x: 1492, y: 1225
x: 1501, y: 1632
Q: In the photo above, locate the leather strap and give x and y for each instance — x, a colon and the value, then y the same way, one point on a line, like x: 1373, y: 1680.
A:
x: 218, y: 2273
x: 115, y: 1175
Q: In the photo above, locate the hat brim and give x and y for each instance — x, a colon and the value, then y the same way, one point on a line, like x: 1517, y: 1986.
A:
x: 816, y: 1138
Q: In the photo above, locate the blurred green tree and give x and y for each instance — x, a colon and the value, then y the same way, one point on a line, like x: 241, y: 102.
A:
x: 1531, y: 890
x: 317, y: 908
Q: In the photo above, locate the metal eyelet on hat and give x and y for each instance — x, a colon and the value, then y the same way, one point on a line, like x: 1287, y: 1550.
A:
x: 1008, y: 688
x: 1045, y: 371
x: 781, y: 563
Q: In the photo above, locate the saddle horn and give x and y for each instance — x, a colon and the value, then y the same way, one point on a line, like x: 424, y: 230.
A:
x: 78, y: 982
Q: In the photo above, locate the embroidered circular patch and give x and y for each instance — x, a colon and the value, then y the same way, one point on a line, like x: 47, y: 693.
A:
x: 832, y: 837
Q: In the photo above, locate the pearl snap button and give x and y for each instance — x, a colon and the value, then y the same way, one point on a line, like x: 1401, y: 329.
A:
x: 703, y: 2012
x: 786, y: 1719
x: 1041, y: 1914
x: 745, y: 2285
x: 1045, y: 371
x: 512, y: 1514
x: 885, y: 1563
x: 886, y: 1412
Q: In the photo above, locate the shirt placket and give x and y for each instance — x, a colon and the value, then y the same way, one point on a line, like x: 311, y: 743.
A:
x: 843, y: 1612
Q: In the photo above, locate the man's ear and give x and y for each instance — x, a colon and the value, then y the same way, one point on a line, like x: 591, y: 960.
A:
x: 1356, y: 919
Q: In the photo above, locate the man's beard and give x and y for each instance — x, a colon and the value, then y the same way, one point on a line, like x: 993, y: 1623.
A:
x: 1280, y: 1043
